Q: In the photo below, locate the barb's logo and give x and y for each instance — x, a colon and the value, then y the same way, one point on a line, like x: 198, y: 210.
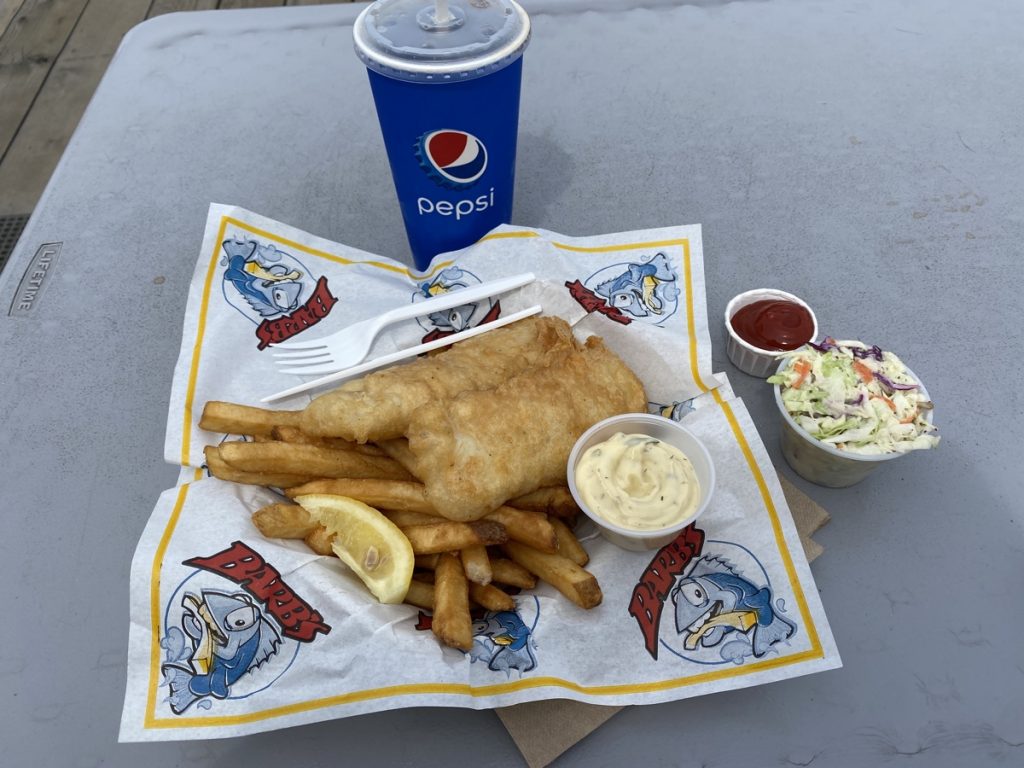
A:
x: 273, y: 290
x: 721, y: 614
x: 674, y: 411
x: 503, y: 642
x: 449, y: 321
x: 501, y: 639
x: 644, y: 290
x: 220, y: 637
x: 656, y: 582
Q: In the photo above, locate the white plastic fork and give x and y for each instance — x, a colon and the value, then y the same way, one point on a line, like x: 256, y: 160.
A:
x: 349, y: 346
x: 403, y: 354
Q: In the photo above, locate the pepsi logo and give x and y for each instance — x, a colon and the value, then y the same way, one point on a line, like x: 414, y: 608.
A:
x: 452, y: 158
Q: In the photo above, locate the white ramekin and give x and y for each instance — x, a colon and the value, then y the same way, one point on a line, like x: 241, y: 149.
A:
x: 745, y: 356
x: 667, y: 431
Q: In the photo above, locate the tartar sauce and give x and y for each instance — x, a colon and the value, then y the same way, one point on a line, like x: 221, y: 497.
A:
x: 638, y: 482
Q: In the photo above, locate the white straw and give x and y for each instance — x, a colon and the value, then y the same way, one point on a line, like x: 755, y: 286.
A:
x: 441, y: 13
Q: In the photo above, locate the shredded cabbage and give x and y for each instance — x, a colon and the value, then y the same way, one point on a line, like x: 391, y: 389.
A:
x: 857, y: 398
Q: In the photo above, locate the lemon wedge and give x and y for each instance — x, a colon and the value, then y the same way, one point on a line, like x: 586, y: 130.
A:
x: 367, y: 542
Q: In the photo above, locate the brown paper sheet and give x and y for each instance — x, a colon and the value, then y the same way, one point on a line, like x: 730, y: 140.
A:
x: 542, y: 730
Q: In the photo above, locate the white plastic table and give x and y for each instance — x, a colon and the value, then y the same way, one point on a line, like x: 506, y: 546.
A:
x: 863, y: 154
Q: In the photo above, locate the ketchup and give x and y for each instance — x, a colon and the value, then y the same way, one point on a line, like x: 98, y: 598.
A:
x: 773, y: 324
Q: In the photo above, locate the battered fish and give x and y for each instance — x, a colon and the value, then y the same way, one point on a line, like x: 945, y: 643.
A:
x: 380, y: 405
x: 482, y: 448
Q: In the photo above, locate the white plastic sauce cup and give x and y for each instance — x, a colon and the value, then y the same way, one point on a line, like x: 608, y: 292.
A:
x: 744, y: 355
x: 667, y: 431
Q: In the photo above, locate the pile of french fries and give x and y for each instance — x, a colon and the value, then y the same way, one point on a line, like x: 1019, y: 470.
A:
x: 458, y: 565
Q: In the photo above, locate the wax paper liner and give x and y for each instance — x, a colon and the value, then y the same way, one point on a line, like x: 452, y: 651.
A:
x: 310, y: 643
x: 642, y: 291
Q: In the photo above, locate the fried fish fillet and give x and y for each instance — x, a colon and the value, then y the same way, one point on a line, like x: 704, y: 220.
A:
x: 483, y: 447
x: 380, y: 405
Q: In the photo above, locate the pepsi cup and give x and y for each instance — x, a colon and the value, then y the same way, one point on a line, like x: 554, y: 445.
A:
x: 445, y: 81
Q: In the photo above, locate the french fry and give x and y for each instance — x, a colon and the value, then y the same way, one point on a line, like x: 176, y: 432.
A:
x: 553, y: 500
x: 527, y: 527
x: 420, y: 594
x: 568, y: 544
x: 476, y: 564
x: 283, y: 521
x: 224, y: 471
x: 529, y: 536
x: 319, y: 540
x: 490, y: 597
x: 530, y: 528
x: 507, y: 572
x: 397, y: 495
x: 449, y: 536
x: 290, y: 434
x: 451, y: 621
x: 398, y: 449
x: 563, y: 574
x: 315, y: 460
x: 427, y: 562
x: 233, y: 419
x: 286, y: 433
x: 404, y: 519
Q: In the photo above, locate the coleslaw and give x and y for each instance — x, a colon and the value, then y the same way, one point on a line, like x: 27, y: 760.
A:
x: 857, y: 398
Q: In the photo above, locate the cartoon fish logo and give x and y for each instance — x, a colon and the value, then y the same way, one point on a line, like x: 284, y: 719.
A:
x: 273, y: 290
x: 222, y: 637
x: 674, y: 411
x: 460, y: 318
x: 450, y: 320
x: 644, y: 290
x: 715, y: 605
x: 503, y: 641
x: 269, y: 288
x: 638, y: 291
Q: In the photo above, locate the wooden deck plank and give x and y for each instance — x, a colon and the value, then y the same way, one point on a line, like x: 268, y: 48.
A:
x: 52, y: 55
x: 161, y: 7
x: 42, y: 137
x: 224, y: 4
x: 29, y: 46
x: 7, y: 10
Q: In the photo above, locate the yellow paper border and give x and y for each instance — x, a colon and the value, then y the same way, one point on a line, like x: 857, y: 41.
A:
x: 426, y: 689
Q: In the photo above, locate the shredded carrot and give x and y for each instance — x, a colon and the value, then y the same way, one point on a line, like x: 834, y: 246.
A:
x: 802, y: 368
x: 886, y: 400
x: 863, y: 371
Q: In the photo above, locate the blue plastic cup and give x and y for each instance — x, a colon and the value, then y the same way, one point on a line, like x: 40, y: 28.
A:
x: 446, y: 81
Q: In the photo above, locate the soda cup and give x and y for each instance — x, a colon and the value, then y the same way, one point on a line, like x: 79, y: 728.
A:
x: 445, y: 81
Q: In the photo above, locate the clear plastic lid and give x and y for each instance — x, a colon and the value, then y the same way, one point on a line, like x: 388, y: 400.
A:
x: 440, y: 41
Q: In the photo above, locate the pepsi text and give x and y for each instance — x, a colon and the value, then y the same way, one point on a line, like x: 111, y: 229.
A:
x: 459, y: 208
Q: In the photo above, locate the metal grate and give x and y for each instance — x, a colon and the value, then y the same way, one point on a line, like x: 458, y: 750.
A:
x: 10, y: 231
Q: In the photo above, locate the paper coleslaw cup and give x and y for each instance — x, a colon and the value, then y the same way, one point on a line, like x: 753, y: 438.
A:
x: 821, y: 463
